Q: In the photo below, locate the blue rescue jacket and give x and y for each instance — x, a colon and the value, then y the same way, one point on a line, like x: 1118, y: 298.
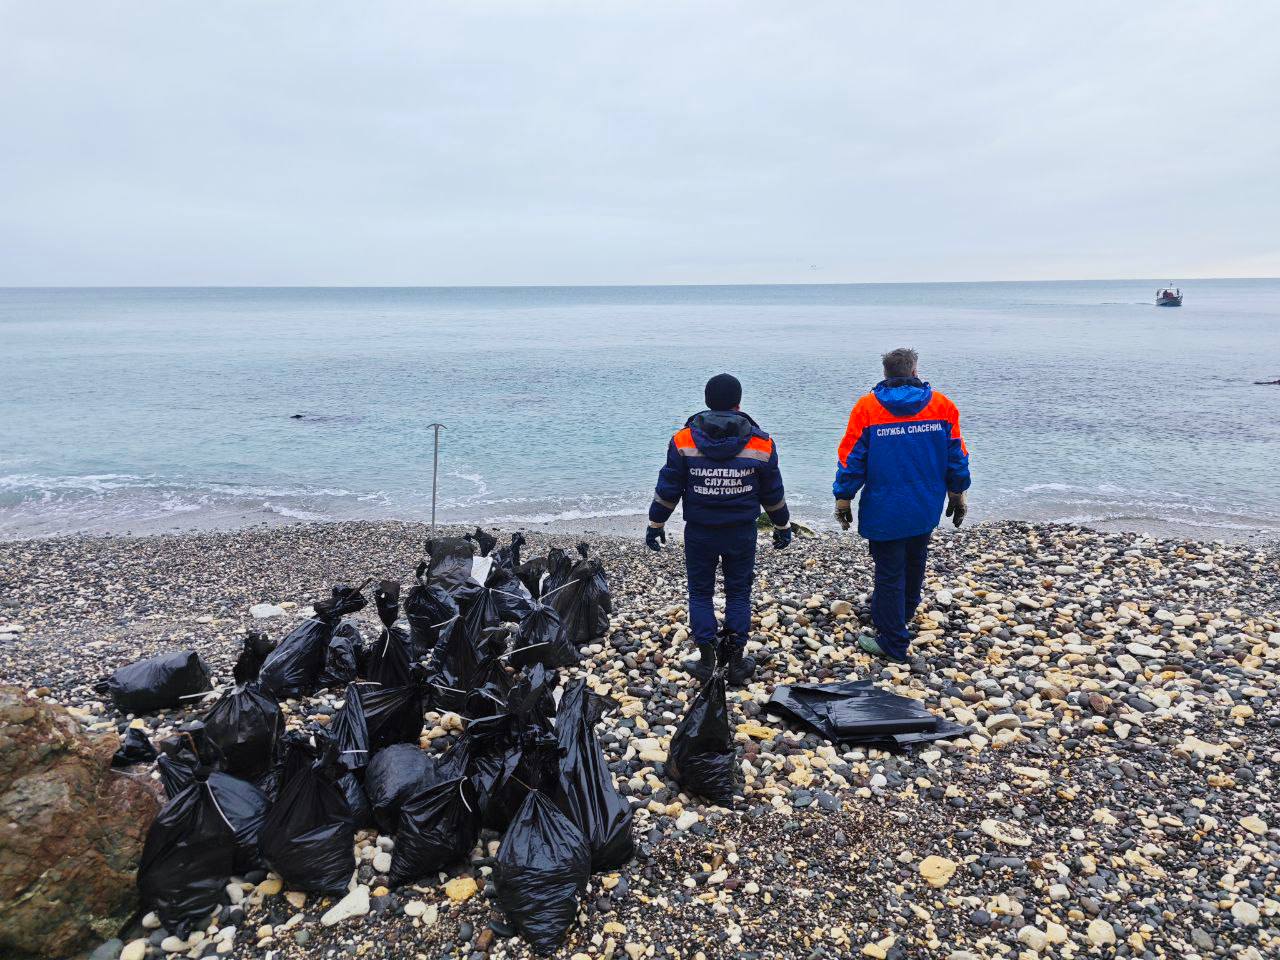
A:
x: 725, y: 469
x: 904, y: 451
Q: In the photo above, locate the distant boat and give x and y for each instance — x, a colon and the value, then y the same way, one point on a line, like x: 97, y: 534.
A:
x: 1168, y: 298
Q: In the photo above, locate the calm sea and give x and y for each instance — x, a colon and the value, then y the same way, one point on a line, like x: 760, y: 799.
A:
x: 151, y: 409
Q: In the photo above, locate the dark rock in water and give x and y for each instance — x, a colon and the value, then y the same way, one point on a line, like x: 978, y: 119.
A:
x: 296, y: 416
x: 69, y: 875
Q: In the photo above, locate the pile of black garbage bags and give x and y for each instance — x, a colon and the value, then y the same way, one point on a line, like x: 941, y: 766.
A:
x: 483, y: 636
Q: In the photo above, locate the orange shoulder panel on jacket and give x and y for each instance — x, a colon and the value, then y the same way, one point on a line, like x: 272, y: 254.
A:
x: 684, y: 439
x: 764, y: 444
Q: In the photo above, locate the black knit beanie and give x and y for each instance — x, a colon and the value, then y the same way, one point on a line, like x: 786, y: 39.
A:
x: 723, y: 392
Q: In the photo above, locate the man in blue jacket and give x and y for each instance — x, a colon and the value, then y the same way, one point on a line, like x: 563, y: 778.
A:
x: 724, y: 468
x: 904, y: 451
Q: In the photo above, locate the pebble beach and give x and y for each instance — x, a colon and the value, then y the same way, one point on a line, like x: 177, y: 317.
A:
x: 1115, y: 795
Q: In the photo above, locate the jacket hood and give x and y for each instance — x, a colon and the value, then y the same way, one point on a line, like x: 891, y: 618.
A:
x: 721, y: 434
x: 903, y: 396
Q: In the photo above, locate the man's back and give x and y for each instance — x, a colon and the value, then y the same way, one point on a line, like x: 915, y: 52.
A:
x: 903, y: 449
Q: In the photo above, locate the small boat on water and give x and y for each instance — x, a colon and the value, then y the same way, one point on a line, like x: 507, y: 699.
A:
x: 1168, y: 298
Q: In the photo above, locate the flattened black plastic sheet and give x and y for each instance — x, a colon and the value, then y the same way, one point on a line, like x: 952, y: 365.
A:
x: 702, y: 758
x: 188, y: 860
x: 857, y: 711
x: 245, y: 725
x: 592, y: 801
x: 157, y: 683
x: 438, y: 827
x: 542, y: 868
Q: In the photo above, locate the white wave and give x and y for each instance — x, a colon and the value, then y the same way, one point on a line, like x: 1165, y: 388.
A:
x: 295, y: 513
x: 564, y: 516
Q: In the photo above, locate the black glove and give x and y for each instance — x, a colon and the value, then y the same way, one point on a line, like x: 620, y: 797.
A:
x: 654, y: 537
x: 956, y: 507
x: 844, y: 513
x: 782, y: 537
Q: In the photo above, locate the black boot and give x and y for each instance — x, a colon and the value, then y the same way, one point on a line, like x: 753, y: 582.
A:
x: 741, y: 668
x: 701, y: 667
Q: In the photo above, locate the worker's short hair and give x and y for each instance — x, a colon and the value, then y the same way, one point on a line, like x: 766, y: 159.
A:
x: 900, y: 363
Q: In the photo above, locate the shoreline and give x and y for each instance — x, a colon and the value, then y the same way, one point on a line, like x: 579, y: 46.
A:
x: 612, y: 526
x: 1118, y: 690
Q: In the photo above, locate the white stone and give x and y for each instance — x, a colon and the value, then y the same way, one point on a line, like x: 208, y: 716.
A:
x: 382, y: 861
x: 1033, y: 937
x: 1002, y: 721
x: 354, y: 904
x: 415, y: 908
x: 264, y: 611
x: 686, y: 820
x: 1245, y: 913
x: 134, y: 950
x: 151, y: 921
x: 1100, y: 933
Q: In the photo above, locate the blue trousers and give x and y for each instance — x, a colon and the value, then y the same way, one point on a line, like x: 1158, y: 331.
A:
x: 899, y: 575
x: 733, y: 549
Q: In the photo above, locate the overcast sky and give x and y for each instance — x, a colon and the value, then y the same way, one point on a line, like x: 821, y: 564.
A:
x: 650, y: 142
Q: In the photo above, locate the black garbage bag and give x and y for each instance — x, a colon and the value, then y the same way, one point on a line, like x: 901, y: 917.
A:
x: 532, y: 752
x: 509, y: 597
x: 393, y: 776
x: 452, y: 667
x: 388, y: 660
x: 243, y: 803
x: 490, y: 687
x: 177, y: 771
x: 302, y: 747
x: 195, y: 735
x: 508, y: 557
x: 438, y: 827
x: 257, y: 647
x: 393, y: 714
x: 591, y: 800
x: 246, y: 808
x: 309, y: 837
x: 341, y: 656
x: 357, y: 802
x: 188, y: 860
x: 293, y: 669
x: 531, y: 574
x: 449, y: 561
x: 541, y: 638
x: 245, y: 725
x: 134, y: 748
x: 430, y: 608
x: 157, y: 683
x: 542, y: 868
x: 350, y: 730
x: 485, y: 542
x: 480, y: 612
x: 559, y: 568
x: 702, y: 758
x: 583, y: 600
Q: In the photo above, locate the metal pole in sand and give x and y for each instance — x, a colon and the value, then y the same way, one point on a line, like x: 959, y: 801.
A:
x: 435, y: 471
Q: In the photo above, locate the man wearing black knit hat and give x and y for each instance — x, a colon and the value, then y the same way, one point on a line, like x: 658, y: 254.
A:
x: 725, y: 469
